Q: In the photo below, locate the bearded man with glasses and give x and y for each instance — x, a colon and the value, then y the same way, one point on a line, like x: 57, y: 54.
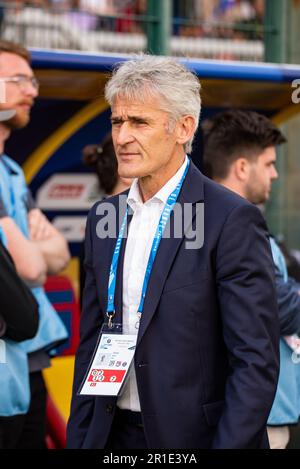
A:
x: 37, y: 250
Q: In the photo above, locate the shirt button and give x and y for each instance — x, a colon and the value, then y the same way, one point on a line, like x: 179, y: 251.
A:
x: 109, y: 408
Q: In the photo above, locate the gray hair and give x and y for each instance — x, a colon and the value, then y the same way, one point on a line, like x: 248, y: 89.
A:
x: 147, y: 76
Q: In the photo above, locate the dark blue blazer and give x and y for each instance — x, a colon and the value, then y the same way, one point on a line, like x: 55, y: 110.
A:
x: 207, y: 352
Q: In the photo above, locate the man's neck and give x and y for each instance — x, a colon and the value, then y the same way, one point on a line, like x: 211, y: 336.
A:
x: 233, y: 186
x: 4, y: 134
x: 150, y: 185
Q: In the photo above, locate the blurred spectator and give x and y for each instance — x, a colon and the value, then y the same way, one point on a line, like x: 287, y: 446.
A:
x: 206, y: 8
x: 247, y: 167
x: 19, y: 319
x: 259, y: 7
x: 130, y: 7
x: 230, y: 11
x: 37, y: 249
x: 19, y: 315
x: 216, y: 17
x: 99, y: 7
x: 85, y: 20
x: 103, y: 160
x: 183, y: 11
x: 239, y: 13
x: 78, y: 24
x: 60, y: 4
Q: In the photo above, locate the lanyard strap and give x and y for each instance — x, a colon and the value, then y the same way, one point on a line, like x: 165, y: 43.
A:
x: 154, y: 248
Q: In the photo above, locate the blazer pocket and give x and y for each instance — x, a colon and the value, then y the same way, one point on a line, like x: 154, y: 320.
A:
x: 183, y: 279
x: 213, y: 412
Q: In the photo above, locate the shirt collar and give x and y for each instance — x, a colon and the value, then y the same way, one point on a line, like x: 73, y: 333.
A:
x: 134, y: 197
x: 8, y: 168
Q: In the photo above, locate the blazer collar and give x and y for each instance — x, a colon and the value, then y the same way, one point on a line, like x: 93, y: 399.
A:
x: 193, y: 186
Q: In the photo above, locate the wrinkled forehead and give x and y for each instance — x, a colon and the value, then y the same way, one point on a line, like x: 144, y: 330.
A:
x: 136, y: 105
x: 142, y: 95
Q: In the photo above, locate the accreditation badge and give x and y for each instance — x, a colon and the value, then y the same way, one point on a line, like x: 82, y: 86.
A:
x: 111, y: 361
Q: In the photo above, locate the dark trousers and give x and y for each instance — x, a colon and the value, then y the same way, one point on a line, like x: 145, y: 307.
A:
x: 127, y: 431
x: 27, y: 431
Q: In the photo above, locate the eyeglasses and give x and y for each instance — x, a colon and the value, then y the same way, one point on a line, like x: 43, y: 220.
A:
x: 22, y: 81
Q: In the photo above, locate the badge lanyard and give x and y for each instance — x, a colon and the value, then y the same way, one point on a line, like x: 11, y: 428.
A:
x: 110, y: 311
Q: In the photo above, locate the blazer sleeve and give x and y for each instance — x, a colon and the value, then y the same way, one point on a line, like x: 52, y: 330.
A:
x: 247, y: 298
x: 19, y: 309
x: 90, y: 325
x: 288, y: 304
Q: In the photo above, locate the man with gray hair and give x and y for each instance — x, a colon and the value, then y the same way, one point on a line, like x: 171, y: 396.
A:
x: 193, y: 311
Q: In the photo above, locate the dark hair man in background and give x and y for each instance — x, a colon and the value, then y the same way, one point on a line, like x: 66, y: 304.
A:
x: 240, y: 154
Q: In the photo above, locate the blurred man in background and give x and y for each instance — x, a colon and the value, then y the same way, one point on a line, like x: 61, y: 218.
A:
x: 240, y: 154
x: 36, y: 247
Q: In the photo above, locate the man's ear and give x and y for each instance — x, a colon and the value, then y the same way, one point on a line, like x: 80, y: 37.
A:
x: 241, y: 168
x: 185, y: 129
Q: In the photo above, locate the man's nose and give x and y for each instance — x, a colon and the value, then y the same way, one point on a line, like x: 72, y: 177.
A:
x: 124, y: 134
x: 31, y: 91
x: 274, y: 174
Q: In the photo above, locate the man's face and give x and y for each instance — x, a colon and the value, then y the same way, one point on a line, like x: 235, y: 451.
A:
x: 19, y: 97
x: 143, y: 142
x: 261, y: 174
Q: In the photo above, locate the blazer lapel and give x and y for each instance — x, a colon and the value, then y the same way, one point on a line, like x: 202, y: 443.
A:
x: 105, y: 254
x: 191, y: 192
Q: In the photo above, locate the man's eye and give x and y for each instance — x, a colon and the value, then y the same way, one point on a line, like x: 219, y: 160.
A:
x: 140, y: 122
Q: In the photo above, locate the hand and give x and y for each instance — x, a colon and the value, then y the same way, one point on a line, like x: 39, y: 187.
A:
x: 294, y: 342
x: 39, y: 226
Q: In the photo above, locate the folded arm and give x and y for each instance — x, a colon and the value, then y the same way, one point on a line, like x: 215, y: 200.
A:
x: 49, y: 241
x: 26, y: 254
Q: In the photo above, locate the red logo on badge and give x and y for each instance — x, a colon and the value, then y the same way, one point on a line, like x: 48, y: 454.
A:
x: 106, y: 376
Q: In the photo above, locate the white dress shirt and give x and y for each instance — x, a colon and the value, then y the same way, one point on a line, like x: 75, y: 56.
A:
x: 141, y: 232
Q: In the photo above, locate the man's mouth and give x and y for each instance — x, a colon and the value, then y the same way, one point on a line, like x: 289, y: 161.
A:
x: 124, y: 156
x: 25, y: 106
